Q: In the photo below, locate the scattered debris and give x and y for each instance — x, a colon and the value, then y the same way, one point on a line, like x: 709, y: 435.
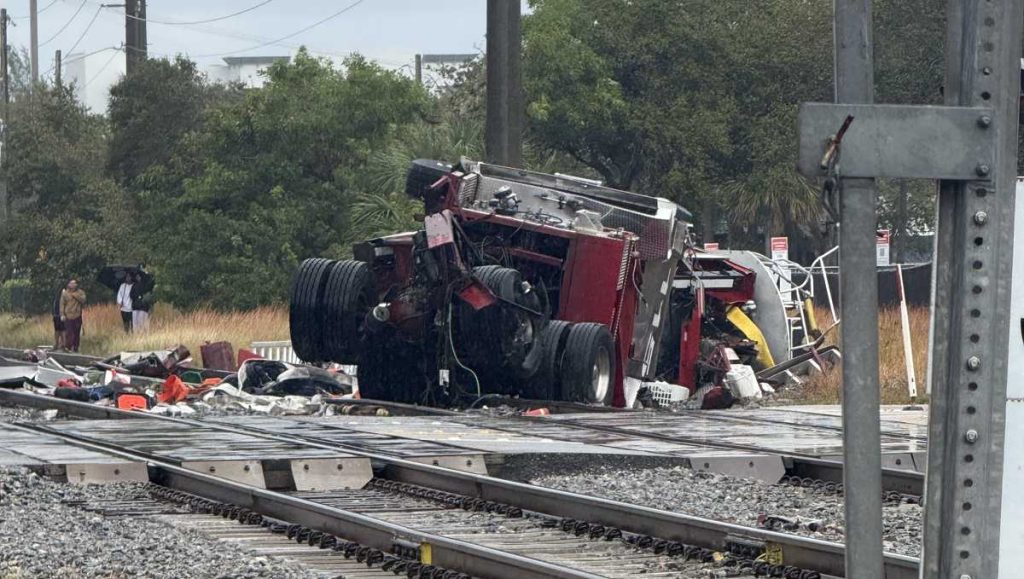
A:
x: 165, y: 382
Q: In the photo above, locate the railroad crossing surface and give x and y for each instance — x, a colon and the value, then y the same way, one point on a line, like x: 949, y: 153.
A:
x: 439, y: 491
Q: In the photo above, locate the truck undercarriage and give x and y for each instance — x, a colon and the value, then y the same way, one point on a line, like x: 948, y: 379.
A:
x: 524, y: 284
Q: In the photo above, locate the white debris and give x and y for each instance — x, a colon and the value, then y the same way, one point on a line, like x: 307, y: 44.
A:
x: 742, y: 382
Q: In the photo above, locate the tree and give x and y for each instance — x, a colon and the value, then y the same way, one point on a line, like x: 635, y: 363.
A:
x: 68, y: 219
x: 697, y: 101
x: 153, y: 109
x: 270, y: 180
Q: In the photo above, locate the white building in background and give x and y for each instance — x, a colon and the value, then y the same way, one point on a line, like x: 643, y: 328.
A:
x: 244, y: 69
x: 92, y: 75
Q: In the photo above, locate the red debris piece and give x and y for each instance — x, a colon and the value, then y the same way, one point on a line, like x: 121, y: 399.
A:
x: 218, y: 356
x: 173, y: 390
x: 132, y: 402
x: 244, y: 355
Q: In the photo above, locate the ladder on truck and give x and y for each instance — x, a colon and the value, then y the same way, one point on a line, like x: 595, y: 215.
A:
x: 794, y: 285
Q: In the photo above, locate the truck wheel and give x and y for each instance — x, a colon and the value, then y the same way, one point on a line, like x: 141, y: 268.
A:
x: 348, y: 298
x: 305, y: 318
x: 544, y: 383
x: 588, y: 365
x: 422, y: 174
x: 516, y: 332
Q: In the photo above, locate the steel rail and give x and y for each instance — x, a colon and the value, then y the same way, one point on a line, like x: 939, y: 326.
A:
x: 903, y: 481
x: 896, y: 480
x: 470, y: 558
x: 802, y: 552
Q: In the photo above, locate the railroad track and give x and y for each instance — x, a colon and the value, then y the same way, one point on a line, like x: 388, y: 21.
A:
x: 803, y: 468
x: 662, y: 533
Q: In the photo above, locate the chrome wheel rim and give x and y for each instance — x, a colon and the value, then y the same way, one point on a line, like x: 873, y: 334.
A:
x: 601, y: 375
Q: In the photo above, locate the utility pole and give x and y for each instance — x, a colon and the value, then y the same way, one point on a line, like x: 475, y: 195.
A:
x: 5, y: 122
x: 134, y: 34
x: 505, y: 108
x: 141, y: 36
x: 419, y: 69
x: 33, y: 9
x: 130, y: 36
x: 858, y: 282
x: 3, y: 62
x: 57, y: 65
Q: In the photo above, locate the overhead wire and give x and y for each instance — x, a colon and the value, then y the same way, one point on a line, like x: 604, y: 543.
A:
x: 83, y: 56
x: 216, y: 19
x: 86, y: 31
x: 286, y: 37
x: 102, y: 68
x: 40, y: 11
x: 221, y: 32
x: 66, y: 24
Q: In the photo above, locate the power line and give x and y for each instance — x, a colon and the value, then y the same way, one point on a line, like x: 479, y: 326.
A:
x: 80, y: 57
x: 283, y: 38
x: 66, y: 24
x: 40, y: 11
x: 102, y: 68
x: 214, y: 31
x: 218, y: 18
x: 84, y: 32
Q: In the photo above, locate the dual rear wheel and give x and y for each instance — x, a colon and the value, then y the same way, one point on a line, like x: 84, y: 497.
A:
x: 328, y: 309
x: 513, y: 349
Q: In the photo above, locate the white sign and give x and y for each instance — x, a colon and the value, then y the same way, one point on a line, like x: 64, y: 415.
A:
x: 780, y: 251
x: 710, y: 247
x: 882, y: 247
x: 780, y: 247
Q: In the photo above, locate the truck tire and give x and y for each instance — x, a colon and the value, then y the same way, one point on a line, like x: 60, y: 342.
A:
x: 422, y: 174
x: 588, y: 365
x: 545, y: 382
x: 305, y: 315
x: 349, y: 295
x: 517, y: 332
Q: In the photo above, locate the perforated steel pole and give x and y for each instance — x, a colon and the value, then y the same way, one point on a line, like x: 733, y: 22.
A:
x: 972, y: 309
x: 862, y: 473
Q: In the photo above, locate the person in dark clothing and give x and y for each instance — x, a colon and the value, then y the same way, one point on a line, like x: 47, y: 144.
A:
x: 58, y: 324
x: 140, y: 303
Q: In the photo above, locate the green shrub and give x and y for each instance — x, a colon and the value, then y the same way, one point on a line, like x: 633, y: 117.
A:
x: 14, y: 296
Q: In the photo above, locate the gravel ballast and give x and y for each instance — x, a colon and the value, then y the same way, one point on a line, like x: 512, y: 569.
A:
x: 43, y: 536
x: 737, y: 500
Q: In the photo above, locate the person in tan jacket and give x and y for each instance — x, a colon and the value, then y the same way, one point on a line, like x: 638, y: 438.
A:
x: 72, y: 300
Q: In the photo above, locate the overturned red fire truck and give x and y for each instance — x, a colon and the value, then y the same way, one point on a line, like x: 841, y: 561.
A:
x: 548, y: 287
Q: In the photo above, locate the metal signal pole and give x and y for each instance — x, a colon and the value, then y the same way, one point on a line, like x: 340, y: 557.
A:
x: 974, y: 518
x: 57, y: 66
x: 977, y: 395
x: 858, y: 279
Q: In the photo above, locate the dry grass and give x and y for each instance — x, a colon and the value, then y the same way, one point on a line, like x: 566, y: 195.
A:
x: 892, y: 371
x: 169, y: 327
x: 102, y: 334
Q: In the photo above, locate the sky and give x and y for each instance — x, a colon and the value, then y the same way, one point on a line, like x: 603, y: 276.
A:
x: 391, y: 32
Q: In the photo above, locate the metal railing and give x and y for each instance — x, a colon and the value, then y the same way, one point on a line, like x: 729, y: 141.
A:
x: 280, y: 351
